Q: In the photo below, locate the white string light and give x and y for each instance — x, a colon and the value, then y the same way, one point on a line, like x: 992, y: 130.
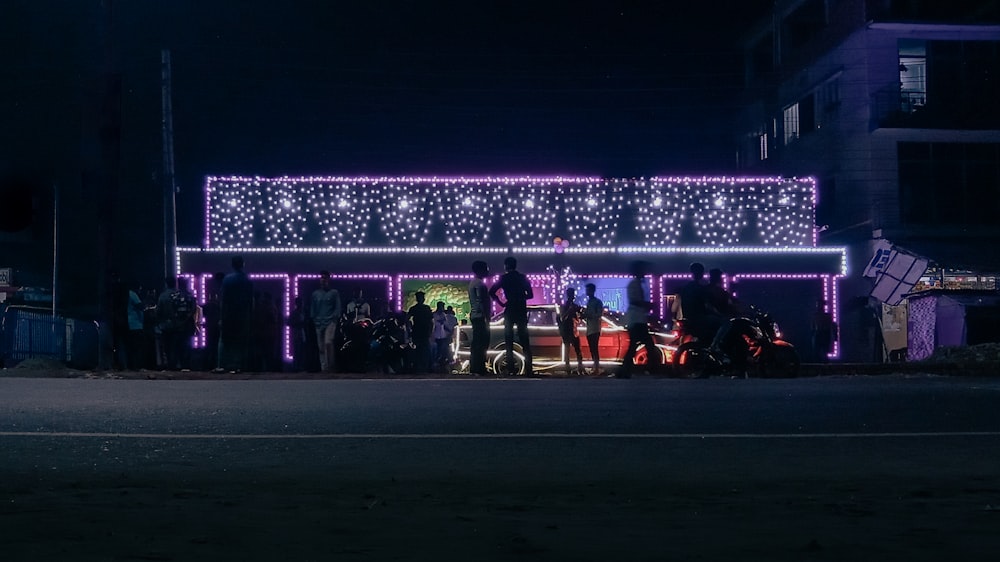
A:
x: 718, y: 212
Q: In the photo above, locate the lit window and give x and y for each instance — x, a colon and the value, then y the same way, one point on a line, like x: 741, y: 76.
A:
x: 912, y: 74
x: 791, y: 123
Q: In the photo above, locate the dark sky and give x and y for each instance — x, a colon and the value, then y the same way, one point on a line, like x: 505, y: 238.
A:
x: 609, y: 88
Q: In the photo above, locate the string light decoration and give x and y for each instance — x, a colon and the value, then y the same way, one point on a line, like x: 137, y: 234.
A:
x: 659, y: 211
x: 231, y: 212
x: 403, y: 213
x: 465, y: 210
x: 593, y: 211
x: 720, y: 211
x: 530, y: 211
x: 282, y: 214
x: 717, y: 211
x: 339, y: 210
x: 790, y: 205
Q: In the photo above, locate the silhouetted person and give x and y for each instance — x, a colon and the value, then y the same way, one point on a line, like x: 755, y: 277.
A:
x: 824, y: 332
x: 694, y: 305
x: 637, y: 321
x: 211, y: 312
x: 594, y: 313
x: 722, y: 307
x: 236, y: 303
x: 421, y: 329
x: 134, y: 342
x: 517, y: 290
x: 324, y: 310
x: 443, y: 328
x: 175, y: 311
x: 358, y: 308
x: 479, y: 316
x: 569, y: 321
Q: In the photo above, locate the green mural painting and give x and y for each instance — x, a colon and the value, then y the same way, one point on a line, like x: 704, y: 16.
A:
x: 454, y: 293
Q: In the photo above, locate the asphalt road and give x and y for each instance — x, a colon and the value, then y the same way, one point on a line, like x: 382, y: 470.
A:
x: 830, y: 468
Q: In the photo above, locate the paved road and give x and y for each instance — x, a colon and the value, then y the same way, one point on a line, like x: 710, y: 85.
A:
x: 831, y: 468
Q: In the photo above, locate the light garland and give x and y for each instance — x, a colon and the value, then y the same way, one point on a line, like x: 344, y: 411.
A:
x: 321, y: 212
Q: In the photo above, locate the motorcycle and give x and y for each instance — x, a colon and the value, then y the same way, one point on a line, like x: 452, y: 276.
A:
x: 390, y: 351
x: 353, y: 352
x: 751, y: 346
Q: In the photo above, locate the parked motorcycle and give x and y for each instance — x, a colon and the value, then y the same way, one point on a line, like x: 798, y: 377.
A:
x: 390, y: 350
x: 751, y: 347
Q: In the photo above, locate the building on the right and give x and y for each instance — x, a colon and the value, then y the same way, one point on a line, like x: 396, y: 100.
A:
x: 894, y: 107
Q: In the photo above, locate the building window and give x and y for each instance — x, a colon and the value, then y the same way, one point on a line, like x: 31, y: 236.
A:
x: 827, y: 102
x: 763, y: 146
x: 912, y: 74
x: 791, y: 115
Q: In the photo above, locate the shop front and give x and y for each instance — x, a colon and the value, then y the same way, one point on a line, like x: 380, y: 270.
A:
x: 391, y: 237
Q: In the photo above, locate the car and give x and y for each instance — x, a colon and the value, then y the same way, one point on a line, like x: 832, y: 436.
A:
x: 547, y: 347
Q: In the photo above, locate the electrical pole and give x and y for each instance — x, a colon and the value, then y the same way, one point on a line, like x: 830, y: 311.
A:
x: 169, y: 184
x: 109, y: 132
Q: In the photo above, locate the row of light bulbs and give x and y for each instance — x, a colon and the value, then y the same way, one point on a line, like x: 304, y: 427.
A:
x: 297, y: 212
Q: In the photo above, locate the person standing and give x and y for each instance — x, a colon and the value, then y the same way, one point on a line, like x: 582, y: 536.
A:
x: 211, y: 312
x: 694, y: 311
x: 186, y: 315
x: 442, y: 336
x: 166, y: 329
x: 517, y: 290
x: 324, y: 311
x: 135, y: 339
x: 358, y: 308
x: 421, y: 321
x: 637, y: 321
x: 175, y: 320
x: 824, y: 332
x: 236, y: 317
x: 569, y: 321
x: 722, y: 307
x: 479, y: 308
x: 593, y: 314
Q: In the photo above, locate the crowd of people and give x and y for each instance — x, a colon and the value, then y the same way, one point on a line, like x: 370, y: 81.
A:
x: 242, y: 328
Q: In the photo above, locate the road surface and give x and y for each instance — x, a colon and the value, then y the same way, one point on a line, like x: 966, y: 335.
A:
x: 830, y: 468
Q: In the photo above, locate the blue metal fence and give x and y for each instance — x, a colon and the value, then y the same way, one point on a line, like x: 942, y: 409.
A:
x: 31, y: 333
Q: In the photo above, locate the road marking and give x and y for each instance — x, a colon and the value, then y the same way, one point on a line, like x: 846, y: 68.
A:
x: 388, y: 436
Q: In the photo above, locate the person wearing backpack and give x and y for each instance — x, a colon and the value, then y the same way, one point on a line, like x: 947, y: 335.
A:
x: 174, y: 325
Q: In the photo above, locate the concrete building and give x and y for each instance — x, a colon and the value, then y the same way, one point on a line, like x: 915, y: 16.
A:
x: 892, y: 107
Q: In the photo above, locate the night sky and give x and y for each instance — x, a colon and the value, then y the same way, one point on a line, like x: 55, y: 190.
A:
x: 295, y: 87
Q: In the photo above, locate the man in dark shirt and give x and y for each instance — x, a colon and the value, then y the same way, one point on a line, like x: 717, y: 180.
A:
x: 694, y: 304
x: 236, y: 303
x: 422, y: 323
x: 517, y: 291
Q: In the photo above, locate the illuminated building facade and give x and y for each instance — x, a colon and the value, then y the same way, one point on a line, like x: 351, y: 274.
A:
x: 393, y: 236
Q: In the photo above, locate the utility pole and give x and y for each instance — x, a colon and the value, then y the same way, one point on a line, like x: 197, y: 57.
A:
x: 55, y: 246
x: 169, y: 184
x: 110, y: 163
